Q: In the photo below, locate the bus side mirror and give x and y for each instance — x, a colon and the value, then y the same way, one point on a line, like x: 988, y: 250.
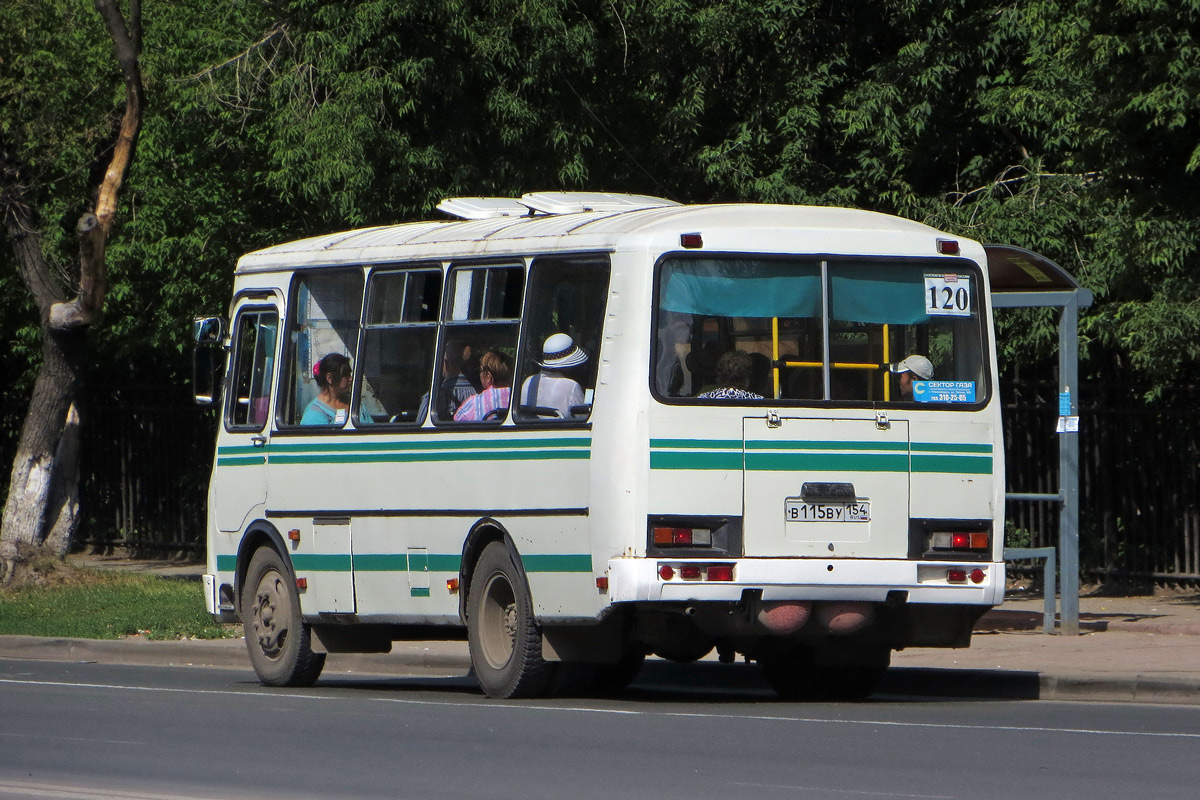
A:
x: 208, y: 330
x: 208, y: 359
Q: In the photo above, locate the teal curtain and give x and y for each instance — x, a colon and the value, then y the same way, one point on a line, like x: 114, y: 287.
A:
x: 878, y: 293
x: 742, y: 288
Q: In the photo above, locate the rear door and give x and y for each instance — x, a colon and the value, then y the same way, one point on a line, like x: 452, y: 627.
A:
x: 819, y: 487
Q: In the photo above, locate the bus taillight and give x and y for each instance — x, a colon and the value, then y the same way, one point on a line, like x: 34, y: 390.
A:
x: 720, y: 572
x: 682, y: 537
x: 960, y: 540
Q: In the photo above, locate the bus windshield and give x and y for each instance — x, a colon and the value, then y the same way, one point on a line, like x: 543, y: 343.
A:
x: 763, y: 329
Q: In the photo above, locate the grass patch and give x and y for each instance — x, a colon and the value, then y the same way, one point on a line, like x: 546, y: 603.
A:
x: 105, y: 604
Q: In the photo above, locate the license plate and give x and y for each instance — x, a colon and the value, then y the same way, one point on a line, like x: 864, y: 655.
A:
x: 800, y: 511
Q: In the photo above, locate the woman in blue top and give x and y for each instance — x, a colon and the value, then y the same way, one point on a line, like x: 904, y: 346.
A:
x: 332, y: 405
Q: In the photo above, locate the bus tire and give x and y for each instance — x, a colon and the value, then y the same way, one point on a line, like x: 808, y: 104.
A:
x: 277, y: 638
x: 504, y: 640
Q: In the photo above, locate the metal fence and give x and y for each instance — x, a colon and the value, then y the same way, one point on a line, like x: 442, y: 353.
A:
x: 1139, y: 517
x: 146, y: 472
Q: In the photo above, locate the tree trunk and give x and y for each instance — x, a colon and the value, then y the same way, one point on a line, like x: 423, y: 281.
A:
x: 42, y: 505
x: 42, y: 508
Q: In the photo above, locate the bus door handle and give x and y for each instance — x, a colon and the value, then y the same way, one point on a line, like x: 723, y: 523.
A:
x: 258, y: 441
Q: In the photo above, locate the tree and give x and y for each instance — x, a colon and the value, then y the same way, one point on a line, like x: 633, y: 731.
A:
x: 42, y: 504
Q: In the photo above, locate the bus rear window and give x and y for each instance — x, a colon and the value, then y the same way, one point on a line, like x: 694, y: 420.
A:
x: 756, y: 329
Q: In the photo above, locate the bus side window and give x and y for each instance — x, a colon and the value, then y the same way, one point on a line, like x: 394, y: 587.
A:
x: 563, y: 328
x: 323, y: 319
x: 399, y: 339
x: 483, y: 314
x: 254, y: 358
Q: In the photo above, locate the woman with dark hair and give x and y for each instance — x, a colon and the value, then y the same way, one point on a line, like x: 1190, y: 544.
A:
x: 332, y: 405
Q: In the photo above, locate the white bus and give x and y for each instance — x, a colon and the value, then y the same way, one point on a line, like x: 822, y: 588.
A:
x: 769, y: 431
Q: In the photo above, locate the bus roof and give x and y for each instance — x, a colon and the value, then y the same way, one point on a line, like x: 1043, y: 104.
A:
x: 792, y: 226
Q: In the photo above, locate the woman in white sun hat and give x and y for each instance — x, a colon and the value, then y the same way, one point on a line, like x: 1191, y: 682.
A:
x: 914, y: 366
x: 550, y: 389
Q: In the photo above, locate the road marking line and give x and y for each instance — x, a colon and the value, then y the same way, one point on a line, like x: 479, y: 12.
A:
x: 619, y: 712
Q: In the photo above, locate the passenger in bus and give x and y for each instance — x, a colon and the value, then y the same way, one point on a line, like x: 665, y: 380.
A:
x: 912, y: 366
x: 495, y: 373
x: 733, y: 378
x: 332, y: 405
x: 550, y: 388
x: 455, y: 387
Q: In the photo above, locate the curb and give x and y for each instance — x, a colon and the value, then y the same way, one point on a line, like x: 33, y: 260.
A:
x: 1002, y: 620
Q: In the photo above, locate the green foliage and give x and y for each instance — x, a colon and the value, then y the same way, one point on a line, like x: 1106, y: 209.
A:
x: 1064, y: 126
x: 109, y: 605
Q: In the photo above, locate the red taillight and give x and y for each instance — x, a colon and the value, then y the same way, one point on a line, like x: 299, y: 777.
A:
x: 956, y: 575
x: 691, y: 240
x: 947, y: 247
x: 689, y: 572
x: 977, y: 576
x: 961, y: 540
x: 720, y: 572
x: 682, y: 537
x: 666, y: 571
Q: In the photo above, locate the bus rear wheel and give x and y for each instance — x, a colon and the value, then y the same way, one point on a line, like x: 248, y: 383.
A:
x: 277, y: 639
x: 504, y: 639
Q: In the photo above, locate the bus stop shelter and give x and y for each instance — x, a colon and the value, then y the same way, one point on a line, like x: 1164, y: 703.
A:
x: 1023, y: 279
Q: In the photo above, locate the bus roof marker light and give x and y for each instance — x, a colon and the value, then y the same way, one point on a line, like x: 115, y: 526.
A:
x: 947, y: 247
x: 691, y: 241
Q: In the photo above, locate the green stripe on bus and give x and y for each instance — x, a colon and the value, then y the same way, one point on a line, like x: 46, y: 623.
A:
x: 322, y: 562
x: 971, y: 465
x: 841, y: 462
x: 444, y: 563
x: 415, y: 592
x: 668, y: 460
x: 240, y: 450
x: 697, y: 444
x: 398, y: 562
x: 408, y: 458
x: 428, y: 444
x: 242, y: 461
x: 557, y: 563
x: 765, y: 444
x: 381, y: 562
x: 948, y: 447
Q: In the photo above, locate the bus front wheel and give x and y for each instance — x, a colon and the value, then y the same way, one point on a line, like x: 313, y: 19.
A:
x: 505, y: 642
x: 276, y: 636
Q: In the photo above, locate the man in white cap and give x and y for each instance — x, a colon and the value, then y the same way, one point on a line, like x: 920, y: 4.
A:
x: 550, y: 389
x: 916, y: 366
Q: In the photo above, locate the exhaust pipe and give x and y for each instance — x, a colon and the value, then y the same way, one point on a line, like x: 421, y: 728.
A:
x: 844, y: 617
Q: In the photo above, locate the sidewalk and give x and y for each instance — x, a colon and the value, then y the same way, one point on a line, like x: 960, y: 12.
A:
x: 1142, y: 649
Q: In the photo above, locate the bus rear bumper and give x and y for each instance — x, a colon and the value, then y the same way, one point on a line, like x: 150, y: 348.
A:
x: 782, y: 579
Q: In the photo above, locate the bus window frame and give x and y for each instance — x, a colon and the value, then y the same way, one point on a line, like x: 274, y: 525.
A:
x: 285, y: 367
x: 957, y: 263
x: 235, y: 350
x: 406, y: 268
x: 446, y: 325
x: 602, y: 260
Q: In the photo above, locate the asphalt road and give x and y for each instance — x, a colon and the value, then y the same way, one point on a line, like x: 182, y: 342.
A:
x: 104, y: 731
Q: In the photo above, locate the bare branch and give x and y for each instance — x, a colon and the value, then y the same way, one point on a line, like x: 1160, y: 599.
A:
x: 277, y: 30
